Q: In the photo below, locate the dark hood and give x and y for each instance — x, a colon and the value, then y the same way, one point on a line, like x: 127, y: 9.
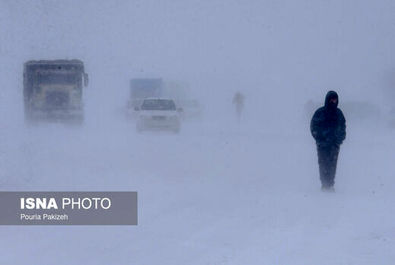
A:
x: 329, y: 96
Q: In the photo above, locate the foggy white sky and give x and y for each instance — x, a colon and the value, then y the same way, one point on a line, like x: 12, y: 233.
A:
x: 281, y: 51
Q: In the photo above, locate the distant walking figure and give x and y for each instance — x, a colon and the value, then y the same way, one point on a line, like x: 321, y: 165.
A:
x: 328, y: 127
x: 238, y: 101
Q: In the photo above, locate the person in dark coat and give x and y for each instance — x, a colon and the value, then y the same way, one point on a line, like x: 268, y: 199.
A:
x: 238, y: 101
x: 328, y: 127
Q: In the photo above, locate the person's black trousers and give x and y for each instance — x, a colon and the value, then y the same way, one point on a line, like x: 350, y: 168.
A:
x: 327, y: 161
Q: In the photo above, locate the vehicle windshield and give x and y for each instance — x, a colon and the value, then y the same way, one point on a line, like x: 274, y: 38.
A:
x: 158, y: 104
x: 58, y: 78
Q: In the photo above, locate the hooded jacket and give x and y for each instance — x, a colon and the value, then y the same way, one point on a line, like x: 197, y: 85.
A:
x: 328, y: 125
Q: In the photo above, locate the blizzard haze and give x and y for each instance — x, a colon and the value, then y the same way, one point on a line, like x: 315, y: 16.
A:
x: 221, y: 191
x: 284, y: 51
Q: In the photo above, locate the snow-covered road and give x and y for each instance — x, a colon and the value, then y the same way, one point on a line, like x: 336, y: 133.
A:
x: 214, y: 194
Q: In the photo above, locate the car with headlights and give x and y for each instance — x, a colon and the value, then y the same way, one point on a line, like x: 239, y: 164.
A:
x: 158, y: 114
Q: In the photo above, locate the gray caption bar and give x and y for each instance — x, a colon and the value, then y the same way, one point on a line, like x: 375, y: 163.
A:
x: 68, y: 208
